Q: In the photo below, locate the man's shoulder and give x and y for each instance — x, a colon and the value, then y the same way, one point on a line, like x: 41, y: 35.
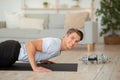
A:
x: 52, y: 41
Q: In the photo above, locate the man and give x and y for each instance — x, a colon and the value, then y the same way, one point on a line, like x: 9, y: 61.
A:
x: 38, y: 50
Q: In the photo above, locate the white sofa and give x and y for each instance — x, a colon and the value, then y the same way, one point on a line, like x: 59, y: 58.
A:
x: 53, y: 27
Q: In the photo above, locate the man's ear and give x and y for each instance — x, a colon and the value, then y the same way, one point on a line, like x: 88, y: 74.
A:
x: 66, y: 35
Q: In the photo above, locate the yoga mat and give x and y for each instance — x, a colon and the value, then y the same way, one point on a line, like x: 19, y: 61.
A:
x: 54, y: 67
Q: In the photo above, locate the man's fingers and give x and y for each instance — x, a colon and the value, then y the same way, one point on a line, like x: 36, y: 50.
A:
x: 42, y: 69
x: 45, y: 69
x: 47, y: 62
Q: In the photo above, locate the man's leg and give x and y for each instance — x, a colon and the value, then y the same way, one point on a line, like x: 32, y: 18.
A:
x: 9, y: 51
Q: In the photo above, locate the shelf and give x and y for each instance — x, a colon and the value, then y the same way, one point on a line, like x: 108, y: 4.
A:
x: 56, y: 8
x: 39, y: 9
x: 74, y: 8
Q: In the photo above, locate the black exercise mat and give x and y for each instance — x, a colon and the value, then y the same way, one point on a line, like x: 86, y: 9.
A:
x: 54, y: 67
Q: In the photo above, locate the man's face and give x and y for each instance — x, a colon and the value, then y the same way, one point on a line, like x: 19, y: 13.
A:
x: 71, y: 40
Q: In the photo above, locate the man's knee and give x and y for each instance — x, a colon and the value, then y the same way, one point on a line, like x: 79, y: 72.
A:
x: 9, y: 51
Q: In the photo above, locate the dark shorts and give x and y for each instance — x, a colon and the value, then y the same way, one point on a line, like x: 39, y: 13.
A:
x: 9, y: 52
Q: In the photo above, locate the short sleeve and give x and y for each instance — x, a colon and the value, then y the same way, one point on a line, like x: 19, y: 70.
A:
x: 50, y: 45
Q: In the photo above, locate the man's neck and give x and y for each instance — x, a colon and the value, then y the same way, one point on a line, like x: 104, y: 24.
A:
x: 63, y: 46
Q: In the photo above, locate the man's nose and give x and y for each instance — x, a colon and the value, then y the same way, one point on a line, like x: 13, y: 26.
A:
x: 73, y: 42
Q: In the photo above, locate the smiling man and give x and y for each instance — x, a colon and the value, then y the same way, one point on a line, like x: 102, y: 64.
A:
x: 39, y: 50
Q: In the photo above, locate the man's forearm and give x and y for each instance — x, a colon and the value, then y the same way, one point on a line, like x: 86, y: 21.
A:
x: 31, y: 54
x: 32, y: 61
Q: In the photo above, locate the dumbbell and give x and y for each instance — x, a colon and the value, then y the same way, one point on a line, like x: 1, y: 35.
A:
x: 90, y: 58
x: 95, y: 58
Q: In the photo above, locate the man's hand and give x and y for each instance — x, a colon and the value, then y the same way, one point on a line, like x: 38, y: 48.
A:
x: 41, y: 69
x: 46, y: 62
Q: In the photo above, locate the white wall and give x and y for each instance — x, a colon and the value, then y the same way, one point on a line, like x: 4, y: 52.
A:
x: 97, y: 5
x: 9, y: 6
x: 16, y: 5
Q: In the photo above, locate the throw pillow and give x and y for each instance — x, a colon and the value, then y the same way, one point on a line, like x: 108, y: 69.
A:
x: 75, y: 20
x: 12, y: 20
x: 31, y: 23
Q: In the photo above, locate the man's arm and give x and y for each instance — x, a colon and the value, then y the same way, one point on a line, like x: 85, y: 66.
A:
x: 46, y: 62
x: 31, y: 50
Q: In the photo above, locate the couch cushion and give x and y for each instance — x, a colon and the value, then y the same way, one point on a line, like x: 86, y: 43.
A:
x: 59, y: 33
x: 31, y: 23
x: 76, y: 20
x: 19, y: 33
x: 12, y: 20
x: 30, y: 34
x: 56, y: 21
x: 41, y: 16
x: 2, y: 24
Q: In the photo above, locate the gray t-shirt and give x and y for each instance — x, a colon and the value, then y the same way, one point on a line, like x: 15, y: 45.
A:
x: 50, y: 48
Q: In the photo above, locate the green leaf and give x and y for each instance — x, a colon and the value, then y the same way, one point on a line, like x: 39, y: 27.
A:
x: 110, y: 15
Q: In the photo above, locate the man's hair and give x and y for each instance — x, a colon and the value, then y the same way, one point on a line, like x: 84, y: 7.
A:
x: 72, y: 30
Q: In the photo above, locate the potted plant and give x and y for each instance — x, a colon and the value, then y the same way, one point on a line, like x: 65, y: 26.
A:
x: 76, y: 3
x: 110, y: 18
x: 46, y: 4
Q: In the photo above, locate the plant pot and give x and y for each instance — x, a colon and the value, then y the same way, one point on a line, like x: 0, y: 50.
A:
x: 46, y: 6
x: 112, y: 40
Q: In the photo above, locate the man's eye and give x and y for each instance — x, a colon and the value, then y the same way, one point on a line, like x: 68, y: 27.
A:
x: 72, y: 37
x: 76, y: 41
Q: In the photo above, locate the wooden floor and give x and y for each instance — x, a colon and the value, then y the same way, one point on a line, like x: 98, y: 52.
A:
x: 108, y: 71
